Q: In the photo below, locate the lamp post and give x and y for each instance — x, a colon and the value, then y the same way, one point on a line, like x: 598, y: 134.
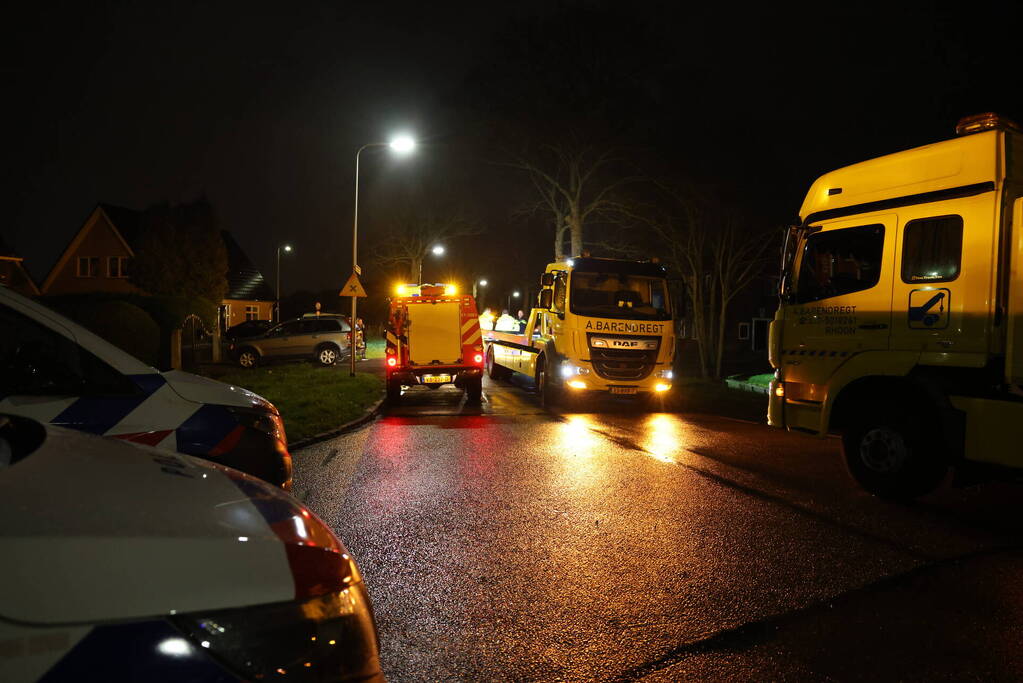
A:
x: 481, y: 283
x: 402, y: 145
x: 438, y: 250
x: 277, y: 306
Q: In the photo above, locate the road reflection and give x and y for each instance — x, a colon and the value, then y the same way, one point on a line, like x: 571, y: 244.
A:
x: 662, y: 437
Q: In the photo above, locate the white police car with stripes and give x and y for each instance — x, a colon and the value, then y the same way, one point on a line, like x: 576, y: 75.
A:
x: 127, y: 563
x: 56, y: 371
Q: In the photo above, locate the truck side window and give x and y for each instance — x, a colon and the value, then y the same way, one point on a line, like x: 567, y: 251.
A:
x: 932, y: 249
x: 560, y: 291
x: 837, y: 262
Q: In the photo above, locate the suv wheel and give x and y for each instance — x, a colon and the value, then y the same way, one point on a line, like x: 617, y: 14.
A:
x: 248, y: 358
x: 327, y: 355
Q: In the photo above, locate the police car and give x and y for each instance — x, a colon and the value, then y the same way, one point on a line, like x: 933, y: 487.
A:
x: 56, y: 371
x: 128, y: 563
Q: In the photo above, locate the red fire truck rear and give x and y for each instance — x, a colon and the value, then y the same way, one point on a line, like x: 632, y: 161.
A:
x: 433, y: 339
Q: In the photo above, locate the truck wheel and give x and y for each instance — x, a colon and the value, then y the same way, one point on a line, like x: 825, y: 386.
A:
x: 549, y: 393
x: 327, y: 354
x: 474, y: 390
x: 495, y: 371
x: 893, y: 456
x: 248, y: 358
x: 393, y: 391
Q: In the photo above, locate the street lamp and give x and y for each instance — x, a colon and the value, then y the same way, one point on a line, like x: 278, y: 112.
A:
x: 481, y: 283
x: 437, y: 250
x: 277, y: 306
x: 402, y: 144
x: 514, y: 295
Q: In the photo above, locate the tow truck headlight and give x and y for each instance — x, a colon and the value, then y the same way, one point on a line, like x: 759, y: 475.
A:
x: 665, y: 374
x: 661, y: 387
x: 577, y: 384
x: 569, y: 370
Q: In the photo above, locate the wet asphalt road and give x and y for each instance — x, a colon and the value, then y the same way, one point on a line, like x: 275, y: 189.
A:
x: 505, y: 542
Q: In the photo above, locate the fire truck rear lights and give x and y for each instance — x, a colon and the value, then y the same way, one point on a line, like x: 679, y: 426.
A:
x: 981, y: 122
x: 478, y: 358
x: 392, y: 361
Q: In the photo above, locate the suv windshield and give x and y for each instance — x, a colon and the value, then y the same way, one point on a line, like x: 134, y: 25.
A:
x: 618, y: 295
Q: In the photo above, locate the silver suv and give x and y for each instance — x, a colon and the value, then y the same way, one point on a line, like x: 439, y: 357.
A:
x: 325, y: 339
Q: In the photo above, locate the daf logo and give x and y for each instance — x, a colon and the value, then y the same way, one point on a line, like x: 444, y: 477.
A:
x: 626, y: 344
x: 645, y: 343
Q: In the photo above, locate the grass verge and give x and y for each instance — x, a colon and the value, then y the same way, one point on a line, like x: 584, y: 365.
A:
x: 693, y: 395
x: 312, y: 399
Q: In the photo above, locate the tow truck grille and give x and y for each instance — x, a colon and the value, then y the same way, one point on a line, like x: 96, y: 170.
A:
x: 623, y: 364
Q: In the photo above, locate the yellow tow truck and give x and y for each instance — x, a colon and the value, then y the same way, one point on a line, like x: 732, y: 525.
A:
x: 601, y: 326
x: 901, y: 317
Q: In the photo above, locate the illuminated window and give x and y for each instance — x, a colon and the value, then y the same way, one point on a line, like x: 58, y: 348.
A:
x: 932, y: 249
x: 252, y: 312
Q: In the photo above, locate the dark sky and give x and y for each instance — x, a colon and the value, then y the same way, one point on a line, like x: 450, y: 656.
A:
x: 261, y: 106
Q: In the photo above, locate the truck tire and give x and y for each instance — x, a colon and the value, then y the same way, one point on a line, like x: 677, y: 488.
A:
x: 495, y: 371
x: 393, y: 391
x: 549, y: 392
x: 474, y: 389
x: 892, y: 455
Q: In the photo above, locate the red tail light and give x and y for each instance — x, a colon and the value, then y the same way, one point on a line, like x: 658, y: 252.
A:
x: 478, y: 358
x: 392, y: 361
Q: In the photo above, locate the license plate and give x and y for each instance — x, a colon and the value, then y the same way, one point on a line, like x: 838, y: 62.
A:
x: 436, y: 379
x: 623, y: 390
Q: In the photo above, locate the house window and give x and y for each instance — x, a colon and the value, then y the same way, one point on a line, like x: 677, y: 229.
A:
x: 117, y: 266
x: 252, y: 312
x: 743, y: 331
x: 88, y: 266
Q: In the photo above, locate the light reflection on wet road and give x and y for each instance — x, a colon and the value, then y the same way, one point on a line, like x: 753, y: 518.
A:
x: 502, y: 541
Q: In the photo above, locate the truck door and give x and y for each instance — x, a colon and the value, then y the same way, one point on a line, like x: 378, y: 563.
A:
x: 842, y: 303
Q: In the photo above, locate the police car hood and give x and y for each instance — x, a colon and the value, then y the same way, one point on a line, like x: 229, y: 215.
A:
x: 204, y: 390
x: 94, y: 529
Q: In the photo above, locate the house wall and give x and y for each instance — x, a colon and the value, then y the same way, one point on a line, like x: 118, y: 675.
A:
x: 233, y: 311
x: 99, y: 240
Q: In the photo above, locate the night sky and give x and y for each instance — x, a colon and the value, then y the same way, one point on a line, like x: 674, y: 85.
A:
x: 261, y: 107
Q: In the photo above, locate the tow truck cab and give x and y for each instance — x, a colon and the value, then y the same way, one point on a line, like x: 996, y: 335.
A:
x: 600, y: 326
x: 433, y: 339
x: 901, y: 314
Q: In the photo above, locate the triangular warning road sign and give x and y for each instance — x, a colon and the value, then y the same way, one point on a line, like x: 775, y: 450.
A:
x: 353, y: 287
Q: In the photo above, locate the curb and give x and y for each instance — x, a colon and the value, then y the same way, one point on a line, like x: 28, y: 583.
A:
x: 370, y: 415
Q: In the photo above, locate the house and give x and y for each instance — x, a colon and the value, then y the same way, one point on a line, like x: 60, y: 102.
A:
x: 13, y: 273
x: 99, y: 258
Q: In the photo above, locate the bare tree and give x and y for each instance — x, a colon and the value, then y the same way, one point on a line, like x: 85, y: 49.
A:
x: 716, y: 255
x: 411, y: 231
x: 573, y: 189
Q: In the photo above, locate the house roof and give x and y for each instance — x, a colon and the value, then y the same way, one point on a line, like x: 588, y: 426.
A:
x: 244, y: 281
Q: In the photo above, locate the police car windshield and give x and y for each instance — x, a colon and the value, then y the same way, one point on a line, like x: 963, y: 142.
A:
x: 618, y: 295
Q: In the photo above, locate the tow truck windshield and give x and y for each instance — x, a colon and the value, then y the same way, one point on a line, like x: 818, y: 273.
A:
x: 619, y: 295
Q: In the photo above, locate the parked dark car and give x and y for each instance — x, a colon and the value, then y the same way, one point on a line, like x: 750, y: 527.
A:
x: 249, y: 328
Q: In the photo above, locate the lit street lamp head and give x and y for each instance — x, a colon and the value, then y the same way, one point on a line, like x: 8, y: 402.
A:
x: 287, y: 248
x: 483, y: 283
x: 515, y: 294
x: 403, y: 144
x: 438, y: 250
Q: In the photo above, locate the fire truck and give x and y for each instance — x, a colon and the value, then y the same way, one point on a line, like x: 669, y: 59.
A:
x: 601, y: 326
x: 901, y: 317
x: 433, y: 338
